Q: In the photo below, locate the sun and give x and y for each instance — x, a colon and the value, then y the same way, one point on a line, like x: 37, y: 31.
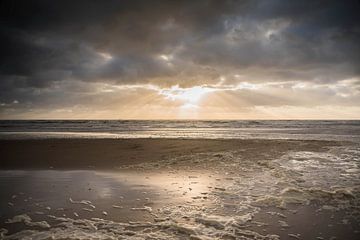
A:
x: 189, y: 96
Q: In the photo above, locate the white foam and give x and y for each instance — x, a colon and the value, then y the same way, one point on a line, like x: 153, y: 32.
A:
x: 88, y: 209
x: 24, y: 218
x: 84, y: 202
x: 145, y: 208
x: 117, y: 206
x: 97, y: 228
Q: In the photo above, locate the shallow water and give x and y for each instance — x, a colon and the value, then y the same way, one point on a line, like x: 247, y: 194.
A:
x: 298, y: 195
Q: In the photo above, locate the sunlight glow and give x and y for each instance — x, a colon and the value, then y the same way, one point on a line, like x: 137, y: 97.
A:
x: 166, y: 58
x: 105, y: 56
x: 190, y: 96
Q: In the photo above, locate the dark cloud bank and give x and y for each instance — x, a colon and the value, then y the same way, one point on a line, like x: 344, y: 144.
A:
x: 50, y: 48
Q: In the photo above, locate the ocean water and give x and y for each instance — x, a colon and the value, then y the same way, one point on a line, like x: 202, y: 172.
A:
x: 267, y: 129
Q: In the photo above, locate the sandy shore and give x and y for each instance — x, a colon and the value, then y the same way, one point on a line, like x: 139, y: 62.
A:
x: 112, y: 153
x: 179, y: 189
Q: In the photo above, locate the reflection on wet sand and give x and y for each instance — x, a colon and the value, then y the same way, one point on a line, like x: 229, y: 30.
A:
x: 224, y: 195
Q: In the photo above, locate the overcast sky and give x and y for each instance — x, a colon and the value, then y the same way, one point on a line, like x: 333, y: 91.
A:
x: 180, y: 59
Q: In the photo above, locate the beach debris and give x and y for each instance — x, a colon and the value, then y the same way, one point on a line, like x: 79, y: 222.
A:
x: 220, y: 188
x: 104, y: 213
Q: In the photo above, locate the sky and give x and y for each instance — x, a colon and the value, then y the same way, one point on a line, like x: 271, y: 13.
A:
x: 198, y: 59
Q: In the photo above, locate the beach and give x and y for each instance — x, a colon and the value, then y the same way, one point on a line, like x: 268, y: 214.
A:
x: 81, y: 188
x: 180, y: 120
x: 113, y: 153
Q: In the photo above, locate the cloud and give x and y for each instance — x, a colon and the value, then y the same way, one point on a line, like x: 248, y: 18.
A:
x: 49, y: 48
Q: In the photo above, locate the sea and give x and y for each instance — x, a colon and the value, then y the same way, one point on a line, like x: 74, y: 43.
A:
x: 221, y: 129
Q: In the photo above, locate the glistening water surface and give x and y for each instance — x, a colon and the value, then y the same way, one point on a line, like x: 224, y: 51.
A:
x: 292, y: 129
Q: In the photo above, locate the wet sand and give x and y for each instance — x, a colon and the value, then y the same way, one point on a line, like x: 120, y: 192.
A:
x: 179, y: 189
x: 112, y: 153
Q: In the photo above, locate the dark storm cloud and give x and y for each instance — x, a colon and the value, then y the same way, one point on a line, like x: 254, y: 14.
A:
x: 122, y: 42
x: 62, y: 37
